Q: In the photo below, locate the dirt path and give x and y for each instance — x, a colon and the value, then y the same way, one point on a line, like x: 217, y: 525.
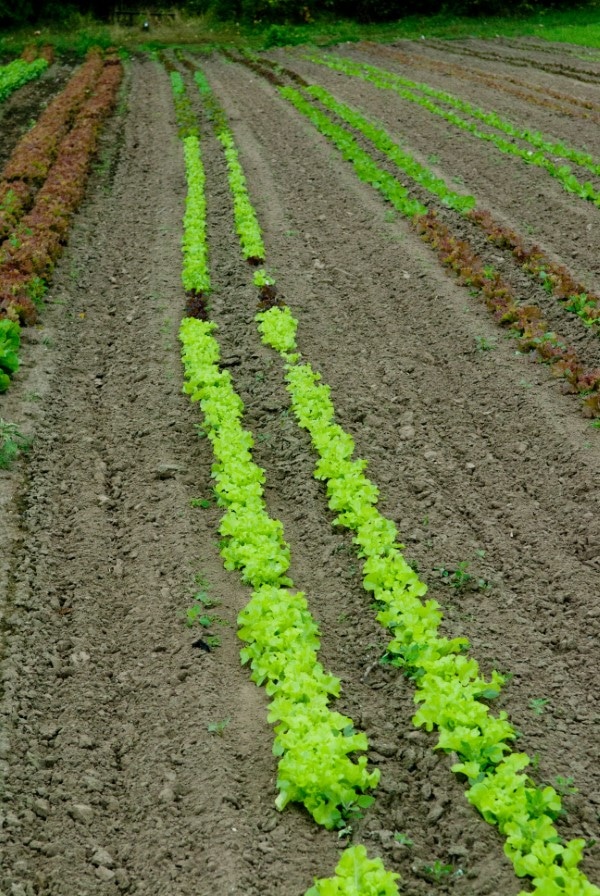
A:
x: 114, y: 782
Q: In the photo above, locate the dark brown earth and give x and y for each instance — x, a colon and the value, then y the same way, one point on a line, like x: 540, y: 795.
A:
x: 114, y: 782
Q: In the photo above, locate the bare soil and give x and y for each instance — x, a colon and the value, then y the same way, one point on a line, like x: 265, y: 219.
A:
x: 114, y: 781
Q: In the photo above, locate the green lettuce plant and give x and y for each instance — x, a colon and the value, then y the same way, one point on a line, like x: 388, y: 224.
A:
x: 382, y: 141
x: 450, y: 692
x: 196, y: 273
x: 357, y: 875
x: 364, y: 166
x: 315, y: 746
x: 451, y: 695
x: 10, y: 341
x: 17, y: 73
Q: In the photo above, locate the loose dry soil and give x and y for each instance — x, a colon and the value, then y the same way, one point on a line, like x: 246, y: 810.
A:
x: 114, y: 780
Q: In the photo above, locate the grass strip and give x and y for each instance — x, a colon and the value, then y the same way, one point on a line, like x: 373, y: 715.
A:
x: 315, y: 746
x: 17, y: 73
x: 388, y: 81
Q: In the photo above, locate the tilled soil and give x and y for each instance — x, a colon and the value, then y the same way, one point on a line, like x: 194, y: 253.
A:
x: 119, y: 777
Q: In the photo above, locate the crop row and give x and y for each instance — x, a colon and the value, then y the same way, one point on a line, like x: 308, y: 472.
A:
x: 450, y: 692
x: 28, y: 256
x: 313, y: 743
x: 35, y: 153
x: 537, y: 156
x: 565, y: 103
x: 17, y: 73
x: 457, y: 254
x: 554, y: 278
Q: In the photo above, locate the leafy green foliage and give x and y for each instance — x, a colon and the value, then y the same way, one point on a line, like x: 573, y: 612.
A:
x: 277, y: 327
x: 17, y: 73
x: 186, y: 118
x: 450, y: 692
x: 536, y: 156
x: 364, y: 166
x: 12, y: 443
x: 357, y: 875
x: 10, y: 340
x: 218, y: 728
x: 314, y: 744
x: 378, y: 136
x: 196, y: 272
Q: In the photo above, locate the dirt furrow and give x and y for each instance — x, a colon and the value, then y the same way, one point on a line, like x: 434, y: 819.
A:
x: 536, y: 204
x: 113, y: 776
x: 473, y: 451
x: 138, y: 761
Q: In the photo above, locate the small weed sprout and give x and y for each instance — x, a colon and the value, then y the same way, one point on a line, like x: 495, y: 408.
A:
x: 565, y: 786
x: 438, y: 870
x: 12, y: 444
x: 403, y: 839
x: 538, y: 705
x: 484, y: 344
x: 218, y: 727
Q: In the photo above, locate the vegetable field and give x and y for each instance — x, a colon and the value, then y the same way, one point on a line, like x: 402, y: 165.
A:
x: 300, y: 441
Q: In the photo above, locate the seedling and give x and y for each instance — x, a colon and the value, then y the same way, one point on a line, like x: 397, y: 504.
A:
x: 538, y: 705
x: 12, y: 443
x: 438, y: 871
x: 403, y: 839
x: 204, y: 503
x: 565, y: 786
x: 213, y: 641
x: 461, y: 579
x: 546, y: 281
x: 484, y: 344
x: 218, y: 727
x: 197, y: 614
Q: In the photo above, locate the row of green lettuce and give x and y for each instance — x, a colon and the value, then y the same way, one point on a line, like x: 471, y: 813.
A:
x: 451, y: 694
x: 315, y: 746
x: 537, y: 156
x: 573, y: 296
x: 17, y: 73
x: 527, y: 321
